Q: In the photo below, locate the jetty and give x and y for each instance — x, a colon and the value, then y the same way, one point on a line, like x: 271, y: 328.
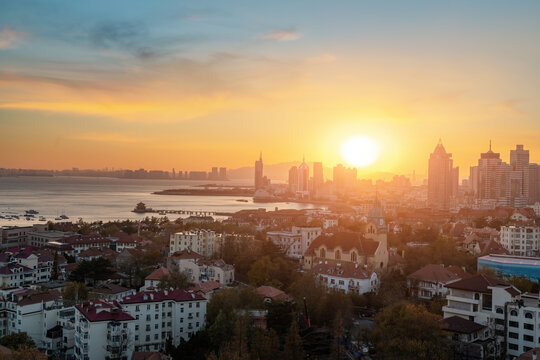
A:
x: 141, y: 209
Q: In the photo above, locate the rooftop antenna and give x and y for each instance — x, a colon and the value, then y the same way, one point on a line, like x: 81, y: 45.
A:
x: 489, y: 144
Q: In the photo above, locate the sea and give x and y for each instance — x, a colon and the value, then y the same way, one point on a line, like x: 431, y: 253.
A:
x: 106, y: 199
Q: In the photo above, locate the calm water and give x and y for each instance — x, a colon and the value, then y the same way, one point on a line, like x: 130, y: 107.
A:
x: 110, y: 199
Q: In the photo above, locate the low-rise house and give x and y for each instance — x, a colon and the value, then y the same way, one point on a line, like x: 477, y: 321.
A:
x: 270, y: 294
x: 207, y: 289
x: 95, y: 253
x: 84, y: 242
x: 431, y: 280
x: 151, y: 281
x: 468, y: 340
x: 346, y: 276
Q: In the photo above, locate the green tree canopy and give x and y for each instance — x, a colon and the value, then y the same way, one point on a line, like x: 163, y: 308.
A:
x: 17, y: 340
x: 408, y: 331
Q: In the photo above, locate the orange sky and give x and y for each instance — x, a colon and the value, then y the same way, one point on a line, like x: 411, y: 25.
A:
x: 212, y: 88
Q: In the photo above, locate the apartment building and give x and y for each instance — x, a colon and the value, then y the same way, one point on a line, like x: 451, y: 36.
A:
x: 521, y: 240
x: 295, y: 242
x: 103, y: 331
x: 346, y: 276
x: 511, y: 319
x: 200, y: 241
x: 159, y: 315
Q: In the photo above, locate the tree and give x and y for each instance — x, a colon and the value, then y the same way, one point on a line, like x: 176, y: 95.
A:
x: 93, y: 270
x: 176, y: 280
x: 75, y: 291
x: 293, y: 349
x: 338, y: 350
x: 408, y: 331
x: 17, y: 340
x: 26, y: 353
x: 264, y: 345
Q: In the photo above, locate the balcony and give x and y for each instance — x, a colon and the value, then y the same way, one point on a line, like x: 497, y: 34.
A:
x: 462, y: 299
x: 453, y: 310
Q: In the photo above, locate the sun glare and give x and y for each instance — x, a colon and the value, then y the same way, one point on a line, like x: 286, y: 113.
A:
x: 360, y: 151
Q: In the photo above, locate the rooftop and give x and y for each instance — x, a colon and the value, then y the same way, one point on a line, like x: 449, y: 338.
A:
x: 161, y: 295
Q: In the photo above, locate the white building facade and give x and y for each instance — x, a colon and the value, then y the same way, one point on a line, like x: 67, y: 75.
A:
x: 521, y: 240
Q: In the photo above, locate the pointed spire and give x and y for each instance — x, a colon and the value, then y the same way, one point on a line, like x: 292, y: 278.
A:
x: 260, y: 156
x: 489, y: 144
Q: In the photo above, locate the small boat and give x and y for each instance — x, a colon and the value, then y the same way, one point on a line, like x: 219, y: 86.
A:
x: 31, y: 211
x: 42, y: 218
x: 242, y: 200
x: 64, y: 217
x: 58, y: 218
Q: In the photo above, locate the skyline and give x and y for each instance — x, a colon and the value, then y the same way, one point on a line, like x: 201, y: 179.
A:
x: 139, y: 86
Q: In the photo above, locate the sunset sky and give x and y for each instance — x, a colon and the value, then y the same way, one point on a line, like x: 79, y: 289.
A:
x: 189, y: 85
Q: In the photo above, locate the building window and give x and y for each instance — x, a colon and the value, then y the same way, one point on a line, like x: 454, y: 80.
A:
x: 323, y: 253
x: 513, y: 335
x: 528, y: 315
x: 528, y: 338
x: 512, y: 346
x: 513, y: 324
x: 338, y: 255
x: 353, y: 256
x: 528, y: 326
x: 513, y: 313
x: 499, y: 310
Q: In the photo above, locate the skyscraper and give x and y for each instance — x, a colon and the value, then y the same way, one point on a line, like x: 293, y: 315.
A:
x: 318, y: 178
x: 303, y: 178
x: 519, y: 161
x: 259, y: 183
x: 442, y: 178
x: 293, y: 179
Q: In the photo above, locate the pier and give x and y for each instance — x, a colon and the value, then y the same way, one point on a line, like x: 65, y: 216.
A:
x: 141, y: 209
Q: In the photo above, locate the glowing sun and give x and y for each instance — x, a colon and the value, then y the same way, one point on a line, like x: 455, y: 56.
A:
x: 360, y: 151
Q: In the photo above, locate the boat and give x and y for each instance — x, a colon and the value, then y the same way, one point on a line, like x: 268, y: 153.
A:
x: 64, y: 217
x: 242, y: 200
x: 31, y: 211
x: 42, y: 218
x: 58, y: 218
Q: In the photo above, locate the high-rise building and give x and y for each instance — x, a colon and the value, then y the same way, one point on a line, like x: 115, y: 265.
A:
x: 519, y: 161
x: 214, y: 175
x: 259, y: 181
x: 442, y: 178
x: 222, y: 173
x: 318, y: 178
x: 293, y: 179
x: 303, y: 179
x: 344, y: 179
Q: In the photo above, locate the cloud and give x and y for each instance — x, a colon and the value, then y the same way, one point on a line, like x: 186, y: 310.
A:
x: 105, y: 137
x: 21, y: 78
x: 131, y: 36
x: 282, y: 35
x: 9, y: 36
x: 511, y: 106
x: 321, y: 59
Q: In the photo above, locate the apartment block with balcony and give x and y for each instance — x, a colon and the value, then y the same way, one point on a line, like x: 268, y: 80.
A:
x: 200, y: 241
x: 521, y: 240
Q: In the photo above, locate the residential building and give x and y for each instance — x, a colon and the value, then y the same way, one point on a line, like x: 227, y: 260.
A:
x: 162, y: 315
x: 271, y: 294
x: 103, y: 331
x: 199, y: 241
x: 521, y: 240
x: 346, y: 276
x: 431, y: 280
x: 295, y: 242
x: 15, y: 235
x: 151, y: 281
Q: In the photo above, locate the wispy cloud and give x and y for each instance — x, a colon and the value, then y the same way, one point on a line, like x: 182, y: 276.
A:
x: 105, y: 137
x: 9, y: 36
x: 321, y: 59
x: 282, y: 35
x: 512, y: 106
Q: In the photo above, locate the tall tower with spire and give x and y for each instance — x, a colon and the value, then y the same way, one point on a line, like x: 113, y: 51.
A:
x: 303, y: 179
x: 443, y: 178
x: 259, y: 181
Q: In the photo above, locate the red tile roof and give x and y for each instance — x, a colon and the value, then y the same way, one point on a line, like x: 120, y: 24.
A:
x: 100, y: 310
x: 345, y: 270
x: 272, y: 293
x: 206, y: 287
x: 158, y: 274
x: 161, y: 295
x: 186, y: 254
x: 460, y: 325
x: 109, y: 289
x: 439, y: 274
x: 35, y: 297
x: 478, y: 283
x: 347, y: 241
